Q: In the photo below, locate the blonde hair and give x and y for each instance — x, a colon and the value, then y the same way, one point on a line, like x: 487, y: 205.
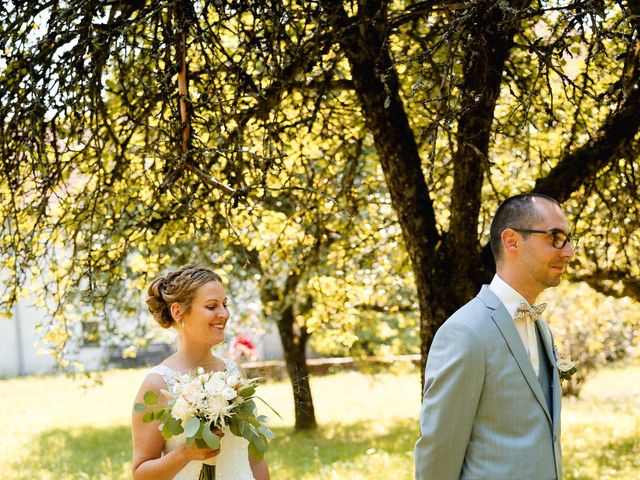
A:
x: 178, y: 286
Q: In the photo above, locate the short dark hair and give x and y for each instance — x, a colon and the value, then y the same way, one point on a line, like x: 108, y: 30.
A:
x: 518, y: 211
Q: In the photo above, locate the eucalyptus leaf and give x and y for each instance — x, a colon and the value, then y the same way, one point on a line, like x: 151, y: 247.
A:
x: 140, y: 407
x: 265, y: 432
x: 247, y: 392
x: 148, y: 417
x: 212, y: 440
x: 191, y: 427
x: 150, y: 398
x: 255, y: 453
x: 234, y: 427
x: 260, y: 443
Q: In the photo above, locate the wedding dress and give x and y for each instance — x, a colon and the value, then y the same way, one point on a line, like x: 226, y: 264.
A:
x: 232, y: 463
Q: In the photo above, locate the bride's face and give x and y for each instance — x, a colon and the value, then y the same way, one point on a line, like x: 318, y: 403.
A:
x: 207, y: 317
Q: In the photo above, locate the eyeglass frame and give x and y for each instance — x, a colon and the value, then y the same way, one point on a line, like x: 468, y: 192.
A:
x: 571, y: 239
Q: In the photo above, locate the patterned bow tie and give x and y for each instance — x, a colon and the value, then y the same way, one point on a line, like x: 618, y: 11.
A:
x: 525, y: 311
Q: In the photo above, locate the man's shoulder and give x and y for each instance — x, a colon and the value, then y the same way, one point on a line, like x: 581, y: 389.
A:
x: 472, y: 315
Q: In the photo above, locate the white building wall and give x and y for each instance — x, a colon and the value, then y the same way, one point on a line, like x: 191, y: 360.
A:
x: 20, y: 347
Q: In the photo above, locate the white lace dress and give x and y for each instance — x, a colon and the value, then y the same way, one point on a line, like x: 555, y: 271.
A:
x: 232, y: 463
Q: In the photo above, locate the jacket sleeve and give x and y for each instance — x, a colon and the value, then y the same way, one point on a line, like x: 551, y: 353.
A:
x: 454, y: 377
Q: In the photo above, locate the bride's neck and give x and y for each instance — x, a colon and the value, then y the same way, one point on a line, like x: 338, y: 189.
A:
x: 192, y: 358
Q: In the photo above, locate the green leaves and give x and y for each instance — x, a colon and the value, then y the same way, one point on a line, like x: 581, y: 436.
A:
x: 191, y: 427
x: 211, y: 439
x: 150, y: 398
x: 247, y: 392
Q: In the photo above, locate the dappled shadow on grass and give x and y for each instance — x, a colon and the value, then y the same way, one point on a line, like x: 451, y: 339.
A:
x: 615, y: 459
x: 105, y: 453
x: 307, y: 452
x: 78, y: 453
x: 621, y: 454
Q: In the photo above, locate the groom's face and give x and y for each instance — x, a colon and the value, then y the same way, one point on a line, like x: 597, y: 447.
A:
x: 540, y: 261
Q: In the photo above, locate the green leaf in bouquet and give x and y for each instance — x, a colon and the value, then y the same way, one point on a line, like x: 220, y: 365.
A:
x: 209, y: 437
x: 171, y: 428
x: 150, y: 398
x: 250, y: 432
x: 165, y: 416
x: 253, y: 421
x: 246, y: 409
x: 263, y: 419
x: 191, y: 427
x: 247, y: 392
x: 174, y: 426
x: 265, y: 432
x: 241, y: 427
x: 147, y: 417
x: 200, y: 443
x: 189, y: 441
x: 261, y: 443
x: 165, y: 430
x: 140, y: 407
x: 234, y: 426
x: 158, y: 414
x: 255, y: 453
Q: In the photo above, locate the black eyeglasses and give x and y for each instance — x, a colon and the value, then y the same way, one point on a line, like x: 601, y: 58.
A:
x: 558, y: 239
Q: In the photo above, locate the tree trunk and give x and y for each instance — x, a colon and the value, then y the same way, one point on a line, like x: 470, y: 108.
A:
x: 294, y: 345
x: 448, y: 268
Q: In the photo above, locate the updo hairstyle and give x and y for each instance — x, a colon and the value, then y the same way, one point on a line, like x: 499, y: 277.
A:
x: 179, y: 286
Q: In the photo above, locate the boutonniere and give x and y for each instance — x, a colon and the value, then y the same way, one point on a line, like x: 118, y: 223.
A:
x: 566, y: 368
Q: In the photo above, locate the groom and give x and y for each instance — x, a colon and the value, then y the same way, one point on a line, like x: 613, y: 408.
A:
x: 491, y: 405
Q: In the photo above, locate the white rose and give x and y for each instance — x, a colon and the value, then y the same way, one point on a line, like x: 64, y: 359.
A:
x: 181, y: 410
x: 215, y: 385
x: 192, y: 392
x: 229, y: 393
x: 564, y: 365
x: 233, y: 379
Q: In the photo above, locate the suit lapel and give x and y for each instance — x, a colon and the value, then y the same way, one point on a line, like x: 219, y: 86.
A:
x: 505, y: 324
x: 547, y: 340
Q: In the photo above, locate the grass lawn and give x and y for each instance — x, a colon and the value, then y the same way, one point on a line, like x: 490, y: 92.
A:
x: 54, y: 428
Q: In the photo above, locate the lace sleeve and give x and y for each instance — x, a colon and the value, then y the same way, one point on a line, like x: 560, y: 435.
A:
x: 167, y: 374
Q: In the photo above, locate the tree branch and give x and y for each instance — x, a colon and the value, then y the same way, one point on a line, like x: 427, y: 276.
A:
x: 581, y: 165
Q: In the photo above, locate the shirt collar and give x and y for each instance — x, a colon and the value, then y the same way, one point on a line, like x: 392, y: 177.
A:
x: 510, y: 298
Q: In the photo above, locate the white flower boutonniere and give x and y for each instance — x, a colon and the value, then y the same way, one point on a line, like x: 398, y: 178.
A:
x: 566, y: 368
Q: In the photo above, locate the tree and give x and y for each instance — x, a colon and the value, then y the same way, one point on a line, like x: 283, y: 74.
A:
x: 465, y: 104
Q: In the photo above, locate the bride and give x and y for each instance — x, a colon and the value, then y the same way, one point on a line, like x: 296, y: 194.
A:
x: 192, y: 300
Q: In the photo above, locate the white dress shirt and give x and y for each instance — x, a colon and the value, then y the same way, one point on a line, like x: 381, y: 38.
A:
x: 526, y: 327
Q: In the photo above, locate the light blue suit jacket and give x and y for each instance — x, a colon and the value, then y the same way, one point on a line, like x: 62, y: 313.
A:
x: 484, y: 414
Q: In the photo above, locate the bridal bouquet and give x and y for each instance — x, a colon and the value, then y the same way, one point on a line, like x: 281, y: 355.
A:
x: 200, y: 403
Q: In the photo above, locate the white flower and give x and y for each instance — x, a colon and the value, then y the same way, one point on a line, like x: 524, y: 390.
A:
x: 229, y: 393
x: 233, y: 379
x: 192, y: 392
x: 215, y: 385
x: 181, y: 410
x: 565, y: 364
x: 216, y: 407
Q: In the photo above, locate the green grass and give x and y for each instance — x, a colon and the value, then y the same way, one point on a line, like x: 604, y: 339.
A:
x: 54, y: 428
